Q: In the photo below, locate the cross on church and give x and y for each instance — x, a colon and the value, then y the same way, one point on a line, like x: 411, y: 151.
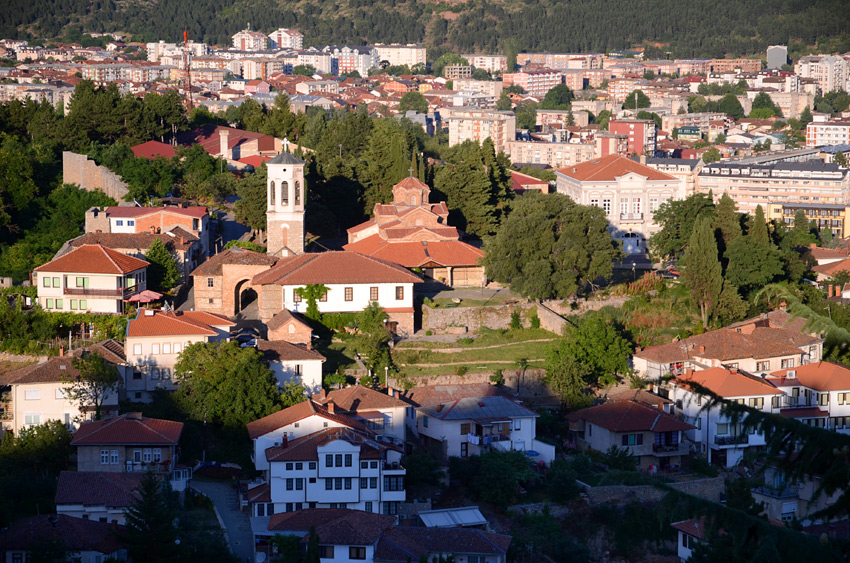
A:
x: 285, y: 144
x: 410, y: 170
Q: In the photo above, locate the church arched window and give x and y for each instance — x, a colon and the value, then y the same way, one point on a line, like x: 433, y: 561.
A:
x: 271, y: 193
x: 284, y: 193
x: 297, y: 193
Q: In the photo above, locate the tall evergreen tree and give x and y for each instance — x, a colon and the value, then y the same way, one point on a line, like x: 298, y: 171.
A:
x: 702, y: 272
x: 162, y: 272
x: 312, y: 547
x: 727, y: 220
x: 151, y: 534
x: 758, y: 227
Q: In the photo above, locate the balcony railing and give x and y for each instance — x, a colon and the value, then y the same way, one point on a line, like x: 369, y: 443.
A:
x: 787, y: 492
x: 730, y: 440
x: 669, y: 448
x: 89, y: 292
x: 631, y: 216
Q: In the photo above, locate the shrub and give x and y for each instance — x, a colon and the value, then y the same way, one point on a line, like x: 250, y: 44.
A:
x: 429, y: 332
x: 516, y: 320
x: 246, y: 245
x: 535, y: 322
x: 429, y: 302
x: 466, y: 341
x: 533, y: 319
x: 561, y: 481
x: 620, y: 458
x: 461, y: 370
x: 497, y: 377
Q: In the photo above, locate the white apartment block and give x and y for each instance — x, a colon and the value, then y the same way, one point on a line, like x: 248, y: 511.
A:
x: 248, y: 40
x: 556, y: 155
x: 322, y: 62
x: 397, y: 55
x: 831, y: 72
x: 472, y: 124
x: 494, y: 64
x: 286, y: 39
x: 486, y: 87
x: 534, y: 82
x: 822, y: 132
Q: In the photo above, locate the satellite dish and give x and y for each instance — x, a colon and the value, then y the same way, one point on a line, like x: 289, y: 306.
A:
x: 261, y: 557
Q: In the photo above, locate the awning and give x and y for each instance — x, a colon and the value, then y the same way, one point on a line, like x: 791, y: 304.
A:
x: 145, y: 296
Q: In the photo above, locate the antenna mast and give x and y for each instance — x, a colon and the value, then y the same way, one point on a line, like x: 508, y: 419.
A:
x: 187, y: 65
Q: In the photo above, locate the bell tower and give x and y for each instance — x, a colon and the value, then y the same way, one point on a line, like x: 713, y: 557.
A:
x: 285, y: 193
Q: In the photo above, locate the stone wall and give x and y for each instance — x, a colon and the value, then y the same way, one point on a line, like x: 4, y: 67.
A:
x: 496, y: 317
x: 530, y: 387
x: 78, y: 169
x: 709, y: 489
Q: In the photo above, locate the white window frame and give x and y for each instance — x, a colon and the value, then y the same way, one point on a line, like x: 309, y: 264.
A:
x: 32, y: 394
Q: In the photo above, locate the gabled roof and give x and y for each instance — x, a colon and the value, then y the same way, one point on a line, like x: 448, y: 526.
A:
x: 282, y: 351
x: 194, y: 211
x: 692, y: 527
x: 97, y: 488
x: 152, y: 149
x: 833, y: 267
x: 406, y: 543
x: 233, y: 256
x: 820, y: 376
x: 335, y: 526
x: 414, y: 254
x: 295, y: 413
x: 140, y: 241
x: 480, y: 409
x: 609, y: 168
x: 150, y: 322
x: 334, y: 267
x: 74, y: 533
x: 61, y: 368
x: 285, y: 158
x: 629, y: 416
x: 429, y: 395
x: 727, y: 383
x: 94, y: 259
x: 283, y: 317
x: 359, y: 398
x: 130, y: 428
x: 305, y: 447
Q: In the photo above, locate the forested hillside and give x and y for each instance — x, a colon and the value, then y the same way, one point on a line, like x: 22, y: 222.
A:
x: 684, y: 29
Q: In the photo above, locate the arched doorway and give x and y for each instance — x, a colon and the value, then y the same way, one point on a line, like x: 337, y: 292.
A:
x: 245, y: 295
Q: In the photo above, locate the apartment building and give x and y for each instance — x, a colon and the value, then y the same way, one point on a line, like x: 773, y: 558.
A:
x: 494, y: 64
x: 248, y: 40
x: 833, y: 216
x: 453, y: 72
x: 474, y: 124
x: 561, y: 61
x: 750, y: 185
x: 641, y: 134
x: 90, y: 278
x: 735, y: 65
x: 701, y: 120
x: 822, y: 131
x: 350, y: 59
x: 487, y: 87
x: 830, y: 71
x: 286, y: 39
x: 397, y: 55
x: 629, y: 193
x: 534, y: 82
x: 564, y: 154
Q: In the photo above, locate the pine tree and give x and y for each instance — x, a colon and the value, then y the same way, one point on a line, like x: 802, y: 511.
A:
x: 727, y: 220
x: 151, y: 534
x: 162, y: 272
x: 758, y: 227
x: 312, y: 547
x: 703, y: 273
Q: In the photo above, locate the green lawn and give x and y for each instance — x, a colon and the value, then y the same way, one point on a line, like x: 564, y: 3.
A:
x: 338, y: 354
x: 486, y: 337
x: 474, y: 367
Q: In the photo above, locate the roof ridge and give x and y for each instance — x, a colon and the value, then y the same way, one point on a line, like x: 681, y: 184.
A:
x: 160, y: 434
x: 483, y: 535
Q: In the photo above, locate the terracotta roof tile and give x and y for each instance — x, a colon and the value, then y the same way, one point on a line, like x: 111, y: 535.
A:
x: 357, y: 398
x: 61, y: 368
x: 74, y: 533
x: 305, y: 447
x: 233, y: 256
x: 415, y: 254
x: 152, y: 149
x: 820, y: 376
x: 283, y: 317
x: 140, y: 241
x: 193, y: 211
x: 430, y: 395
x: 295, y: 413
x: 282, y: 351
x: 335, y: 526
x: 692, y: 527
x: 804, y: 412
x: 727, y: 383
x: 128, y: 429
x: 609, y: 168
x: 833, y: 268
x: 150, y: 322
x: 406, y: 543
x: 260, y: 493
x: 334, y: 267
x: 629, y: 416
x: 94, y: 259
x: 97, y: 488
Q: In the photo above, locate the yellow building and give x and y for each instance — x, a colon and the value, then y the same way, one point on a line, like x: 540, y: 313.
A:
x: 831, y: 215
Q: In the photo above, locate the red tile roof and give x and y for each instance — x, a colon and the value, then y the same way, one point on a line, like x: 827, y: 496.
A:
x: 629, y: 416
x: 305, y: 447
x: 128, y: 428
x: 430, y: 395
x: 453, y: 253
x: 255, y: 160
x: 727, y: 383
x: 136, y: 241
x: 412, y: 183
x: 152, y: 149
x: 692, y: 527
x: 358, y: 398
x: 334, y: 267
x: 409, y: 543
x: 233, y: 256
x: 94, y: 259
x: 283, y: 317
x: 282, y: 351
x: 609, y: 168
x: 335, y: 526
x: 832, y: 268
x: 150, y: 322
x: 75, y: 534
x: 804, y: 412
x: 821, y: 376
x: 208, y: 137
x: 194, y: 211
x: 260, y: 493
x: 97, y: 488
x: 295, y: 413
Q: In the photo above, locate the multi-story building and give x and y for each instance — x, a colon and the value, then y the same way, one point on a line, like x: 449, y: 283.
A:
x: 286, y: 39
x: 248, y: 40
x: 822, y: 131
x: 556, y: 155
x: 90, y: 278
x: 830, y: 71
x: 323, y: 62
x: 155, y: 340
x: 750, y: 185
x: 349, y: 59
x: 474, y: 124
x: 151, y: 220
x: 701, y: 120
x: 777, y: 56
x: 641, y: 134
x: 452, y: 72
x: 735, y: 65
x: 487, y: 87
x: 561, y: 61
x: 398, y: 55
x: 534, y: 82
x: 629, y: 193
x: 832, y: 216
x: 491, y: 63
x: 685, y: 169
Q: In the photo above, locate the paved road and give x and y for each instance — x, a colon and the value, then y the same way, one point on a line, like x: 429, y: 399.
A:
x: 237, y: 523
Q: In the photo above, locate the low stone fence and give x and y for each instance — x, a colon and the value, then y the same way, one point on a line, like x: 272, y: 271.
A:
x: 496, y: 317
x: 709, y: 489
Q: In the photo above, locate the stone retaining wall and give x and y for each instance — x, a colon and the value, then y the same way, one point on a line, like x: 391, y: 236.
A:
x: 709, y: 489
x: 530, y: 387
x: 496, y: 317
x: 78, y: 169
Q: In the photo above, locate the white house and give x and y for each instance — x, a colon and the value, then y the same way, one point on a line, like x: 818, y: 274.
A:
x: 689, y: 534
x: 353, y: 281
x: 293, y: 363
x: 382, y: 413
x: 96, y: 495
x: 156, y: 338
x: 90, y: 278
x: 37, y: 393
x: 817, y: 394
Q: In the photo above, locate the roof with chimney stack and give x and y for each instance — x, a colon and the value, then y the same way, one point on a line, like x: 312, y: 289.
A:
x: 298, y: 412
x: 130, y: 428
x: 93, y: 259
x: 75, y: 534
x: 629, y: 416
x: 359, y: 398
x: 178, y: 240
x: 60, y: 368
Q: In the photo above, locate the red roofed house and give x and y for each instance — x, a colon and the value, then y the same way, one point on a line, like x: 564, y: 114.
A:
x: 90, y: 278
x: 193, y: 219
x: 223, y: 283
x: 652, y: 436
x: 353, y: 281
x: 817, y: 394
x: 296, y: 363
x: 154, y: 341
x: 415, y: 234
x: 153, y: 149
x: 88, y: 540
x: 522, y: 183
x: 131, y: 443
x: 230, y: 143
x: 628, y: 192
x: 690, y: 533
x: 96, y: 495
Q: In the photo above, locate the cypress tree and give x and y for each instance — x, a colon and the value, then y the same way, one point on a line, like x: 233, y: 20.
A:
x: 758, y: 227
x: 702, y: 273
x: 151, y: 534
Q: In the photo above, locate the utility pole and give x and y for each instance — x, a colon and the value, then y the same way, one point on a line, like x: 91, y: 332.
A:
x: 187, y: 64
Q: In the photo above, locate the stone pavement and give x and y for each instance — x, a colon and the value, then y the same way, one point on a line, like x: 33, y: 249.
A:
x: 237, y: 523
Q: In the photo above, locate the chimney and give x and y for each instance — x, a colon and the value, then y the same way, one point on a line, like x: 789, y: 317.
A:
x: 61, y: 351
x: 323, y: 394
x: 331, y: 407
x: 643, y: 159
x: 223, y: 138
x: 285, y: 440
x: 134, y: 416
x: 702, y: 348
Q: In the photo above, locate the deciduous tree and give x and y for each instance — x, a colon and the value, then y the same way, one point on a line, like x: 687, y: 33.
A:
x: 97, y: 380
x: 162, y: 272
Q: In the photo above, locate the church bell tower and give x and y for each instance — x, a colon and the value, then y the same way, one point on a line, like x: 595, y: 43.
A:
x: 285, y: 194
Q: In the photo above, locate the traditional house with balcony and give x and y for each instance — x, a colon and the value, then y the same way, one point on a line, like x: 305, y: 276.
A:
x: 96, y: 495
x: 90, y: 279
x: 132, y: 443
x: 655, y: 439
x: 176, y: 219
x: 382, y: 413
x: 816, y: 394
x: 155, y: 340
x: 785, y: 500
x: 715, y: 433
x: 37, y: 393
x: 295, y: 363
x: 775, y: 340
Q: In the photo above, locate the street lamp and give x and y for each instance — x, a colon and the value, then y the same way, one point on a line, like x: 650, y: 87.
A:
x: 634, y: 274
